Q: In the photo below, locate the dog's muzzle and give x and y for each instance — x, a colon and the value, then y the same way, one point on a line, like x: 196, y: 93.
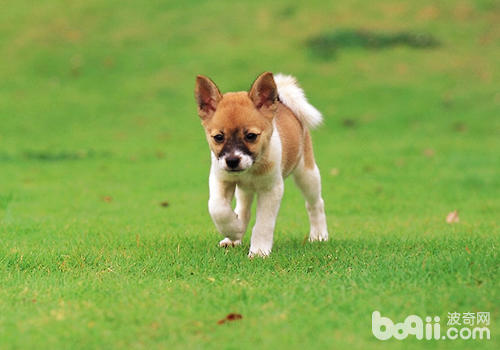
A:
x: 235, y: 161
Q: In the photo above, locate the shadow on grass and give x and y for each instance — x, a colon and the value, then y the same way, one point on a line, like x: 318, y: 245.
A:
x: 326, y: 45
x: 54, y: 156
x: 58, y: 156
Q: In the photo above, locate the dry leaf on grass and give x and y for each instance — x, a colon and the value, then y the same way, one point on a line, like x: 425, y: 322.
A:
x: 452, y: 217
x: 230, y: 317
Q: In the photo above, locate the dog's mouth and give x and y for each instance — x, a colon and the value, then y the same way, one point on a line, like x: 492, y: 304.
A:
x: 235, y: 170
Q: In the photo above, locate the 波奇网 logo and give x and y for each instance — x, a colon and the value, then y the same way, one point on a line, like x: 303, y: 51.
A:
x: 383, y: 328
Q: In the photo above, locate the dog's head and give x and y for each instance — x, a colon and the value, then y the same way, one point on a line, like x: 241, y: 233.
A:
x: 238, y: 125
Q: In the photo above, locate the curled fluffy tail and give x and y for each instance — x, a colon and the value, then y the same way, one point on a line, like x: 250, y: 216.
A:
x: 294, y: 98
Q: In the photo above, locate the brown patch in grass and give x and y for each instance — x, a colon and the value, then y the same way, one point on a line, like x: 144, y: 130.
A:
x: 459, y: 127
x: 428, y: 13
x: 107, y: 199
x: 429, y: 152
x: 463, y: 11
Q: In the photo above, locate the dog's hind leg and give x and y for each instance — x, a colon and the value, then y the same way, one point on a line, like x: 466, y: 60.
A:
x: 308, y: 179
x: 309, y: 182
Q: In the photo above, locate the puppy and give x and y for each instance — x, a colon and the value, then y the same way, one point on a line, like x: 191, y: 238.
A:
x: 257, y: 139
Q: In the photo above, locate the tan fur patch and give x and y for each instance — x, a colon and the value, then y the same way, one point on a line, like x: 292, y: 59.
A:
x: 308, y: 152
x: 292, y: 138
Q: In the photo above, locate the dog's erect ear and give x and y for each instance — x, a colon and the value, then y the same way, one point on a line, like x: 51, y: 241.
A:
x: 263, y: 91
x: 207, y: 96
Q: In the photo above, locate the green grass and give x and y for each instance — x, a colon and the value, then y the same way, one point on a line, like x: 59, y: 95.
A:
x: 98, y: 127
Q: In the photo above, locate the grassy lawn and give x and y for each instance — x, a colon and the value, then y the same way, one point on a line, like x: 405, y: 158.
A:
x: 105, y: 237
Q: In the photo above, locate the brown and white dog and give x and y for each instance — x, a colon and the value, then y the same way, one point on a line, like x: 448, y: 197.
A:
x: 257, y: 139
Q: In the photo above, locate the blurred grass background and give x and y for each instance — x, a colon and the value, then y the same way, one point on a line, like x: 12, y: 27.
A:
x: 98, y: 128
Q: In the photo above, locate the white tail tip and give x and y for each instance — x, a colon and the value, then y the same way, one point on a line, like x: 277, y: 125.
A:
x: 294, y: 98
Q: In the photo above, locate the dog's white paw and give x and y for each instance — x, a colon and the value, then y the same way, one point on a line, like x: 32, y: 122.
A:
x: 318, y: 235
x: 226, y: 242
x: 259, y: 252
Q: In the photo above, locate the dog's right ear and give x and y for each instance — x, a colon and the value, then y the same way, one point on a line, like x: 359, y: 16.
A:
x: 207, y: 96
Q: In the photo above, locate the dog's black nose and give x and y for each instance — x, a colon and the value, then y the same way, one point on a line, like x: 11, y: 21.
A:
x: 233, y: 162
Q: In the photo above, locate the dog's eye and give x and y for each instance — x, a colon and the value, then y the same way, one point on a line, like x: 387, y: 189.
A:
x: 219, y: 138
x: 251, y: 137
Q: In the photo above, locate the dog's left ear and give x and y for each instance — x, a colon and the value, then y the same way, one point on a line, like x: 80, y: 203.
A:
x: 207, y: 96
x: 264, y: 92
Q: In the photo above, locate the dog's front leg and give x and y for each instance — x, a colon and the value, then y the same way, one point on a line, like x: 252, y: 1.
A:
x: 268, y: 205
x: 223, y: 216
